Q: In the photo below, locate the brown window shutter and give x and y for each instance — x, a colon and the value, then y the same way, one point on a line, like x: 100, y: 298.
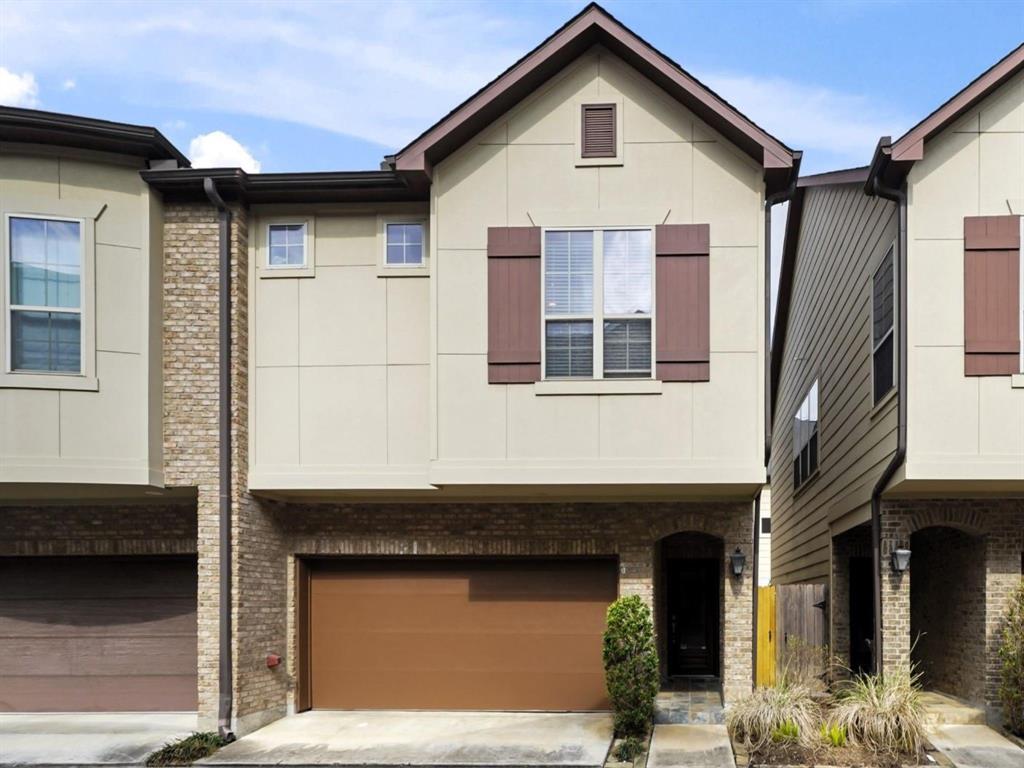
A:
x: 513, y: 305
x: 598, y: 130
x: 991, y: 295
x: 683, y: 302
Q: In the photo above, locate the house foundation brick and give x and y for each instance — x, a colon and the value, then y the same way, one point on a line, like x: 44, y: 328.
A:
x: 997, y: 526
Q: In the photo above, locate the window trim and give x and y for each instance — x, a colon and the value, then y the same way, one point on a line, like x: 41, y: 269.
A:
x: 579, y: 104
x: 384, y: 269
x: 892, y: 328
x: 307, y: 268
x: 54, y: 210
x: 597, y: 315
x: 1020, y: 293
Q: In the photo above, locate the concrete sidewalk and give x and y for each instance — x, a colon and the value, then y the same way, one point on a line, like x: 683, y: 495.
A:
x: 119, y: 738
x: 976, y: 746
x: 555, y: 740
x: 690, y: 746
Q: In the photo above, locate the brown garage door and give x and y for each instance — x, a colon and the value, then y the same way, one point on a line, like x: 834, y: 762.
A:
x: 426, y: 634
x: 97, y: 634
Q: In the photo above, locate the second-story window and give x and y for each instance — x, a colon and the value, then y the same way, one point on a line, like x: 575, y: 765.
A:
x: 805, y: 438
x: 883, y: 311
x: 404, y: 246
x: 45, y: 300
x: 287, y: 246
x: 598, y: 303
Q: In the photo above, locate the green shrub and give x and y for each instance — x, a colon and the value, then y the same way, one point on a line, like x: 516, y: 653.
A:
x: 1011, y: 657
x: 833, y: 734
x: 882, y: 713
x: 187, y: 750
x: 629, y: 749
x: 786, y: 732
x: 786, y: 709
x: 631, y: 665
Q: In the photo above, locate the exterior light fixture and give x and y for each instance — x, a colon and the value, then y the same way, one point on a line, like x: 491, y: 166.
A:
x: 738, y: 560
x: 900, y: 560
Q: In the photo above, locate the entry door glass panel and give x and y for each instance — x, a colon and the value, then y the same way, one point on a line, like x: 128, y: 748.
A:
x: 693, y: 617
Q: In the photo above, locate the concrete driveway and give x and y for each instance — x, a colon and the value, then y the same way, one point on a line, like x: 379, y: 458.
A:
x: 425, y: 739
x: 976, y: 746
x: 121, y: 738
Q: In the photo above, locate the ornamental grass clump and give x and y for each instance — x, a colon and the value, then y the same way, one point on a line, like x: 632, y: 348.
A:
x: 631, y: 665
x: 786, y: 712
x: 1011, y: 659
x: 882, y: 713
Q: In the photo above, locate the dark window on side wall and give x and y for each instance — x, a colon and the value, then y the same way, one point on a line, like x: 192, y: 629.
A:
x: 766, y: 525
x: 883, y: 311
x: 598, y: 130
x: 805, y: 438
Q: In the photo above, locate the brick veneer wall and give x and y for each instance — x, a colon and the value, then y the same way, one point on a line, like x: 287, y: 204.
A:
x: 629, y: 530
x: 1001, y: 523
x: 98, y: 529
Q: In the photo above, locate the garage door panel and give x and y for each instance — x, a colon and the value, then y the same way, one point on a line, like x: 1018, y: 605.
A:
x: 99, y: 617
x: 72, y: 693
x: 98, y: 634
x: 450, y: 634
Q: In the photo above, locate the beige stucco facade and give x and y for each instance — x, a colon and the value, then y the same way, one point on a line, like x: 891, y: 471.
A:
x: 974, y: 168
x: 103, y: 427
x: 368, y: 381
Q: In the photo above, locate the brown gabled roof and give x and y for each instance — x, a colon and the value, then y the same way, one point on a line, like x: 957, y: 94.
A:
x: 593, y: 25
x: 893, y: 159
x: 787, y: 270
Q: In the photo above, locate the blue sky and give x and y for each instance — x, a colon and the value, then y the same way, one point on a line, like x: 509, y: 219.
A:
x: 296, y: 86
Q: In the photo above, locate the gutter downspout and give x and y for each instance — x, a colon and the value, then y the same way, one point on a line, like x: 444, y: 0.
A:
x: 769, y: 201
x: 225, y: 681
x: 899, y: 196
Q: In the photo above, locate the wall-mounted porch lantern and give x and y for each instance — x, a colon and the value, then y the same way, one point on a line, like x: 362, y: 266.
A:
x: 739, y: 560
x: 900, y: 560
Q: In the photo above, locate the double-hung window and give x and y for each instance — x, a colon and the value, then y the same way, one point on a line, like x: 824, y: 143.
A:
x: 44, y: 301
x: 883, y: 313
x: 805, y: 438
x: 598, y: 303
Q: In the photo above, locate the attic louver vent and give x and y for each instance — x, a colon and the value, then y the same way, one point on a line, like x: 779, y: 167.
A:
x: 598, y: 130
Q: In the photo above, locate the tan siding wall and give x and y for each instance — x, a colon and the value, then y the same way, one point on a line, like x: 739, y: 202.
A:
x: 975, y: 168
x: 844, y: 235
x: 112, y: 435
x: 521, y: 171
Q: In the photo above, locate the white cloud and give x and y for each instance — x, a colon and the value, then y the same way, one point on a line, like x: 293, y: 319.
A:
x: 68, y: 85
x: 835, y: 129
x: 221, y: 150
x: 18, y: 90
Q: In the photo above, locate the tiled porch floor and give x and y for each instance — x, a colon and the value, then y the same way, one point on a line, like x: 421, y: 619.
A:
x: 688, y: 700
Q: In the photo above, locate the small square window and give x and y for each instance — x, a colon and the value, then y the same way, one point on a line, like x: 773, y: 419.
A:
x: 404, y: 244
x: 286, y: 246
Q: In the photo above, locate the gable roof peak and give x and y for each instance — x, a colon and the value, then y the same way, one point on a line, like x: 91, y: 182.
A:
x: 593, y: 25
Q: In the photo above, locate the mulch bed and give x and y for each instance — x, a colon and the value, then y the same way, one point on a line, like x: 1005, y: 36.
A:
x: 794, y: 756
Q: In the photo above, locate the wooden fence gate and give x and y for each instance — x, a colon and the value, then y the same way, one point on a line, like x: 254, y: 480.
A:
x: 793, y: 617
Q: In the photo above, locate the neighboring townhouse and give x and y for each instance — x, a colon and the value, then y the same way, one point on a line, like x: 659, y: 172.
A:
x: 898, y: 456
x: 764, y: 544
x: 474, y: 397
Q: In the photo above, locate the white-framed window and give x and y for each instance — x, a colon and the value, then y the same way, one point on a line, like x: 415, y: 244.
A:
x: 598, y: 303
x: 286, y: 245
x: 805, y: 438
x: 405, y: 244
x: 45, y: 262
x: 883, y: 318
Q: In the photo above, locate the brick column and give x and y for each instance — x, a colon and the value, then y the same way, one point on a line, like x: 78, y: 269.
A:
x: 738, y: 621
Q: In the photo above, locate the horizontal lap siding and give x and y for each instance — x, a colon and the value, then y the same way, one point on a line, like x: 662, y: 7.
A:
x: 844, y: 235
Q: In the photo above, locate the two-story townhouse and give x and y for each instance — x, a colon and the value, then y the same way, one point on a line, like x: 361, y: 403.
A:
x: 898, y: 459
x: 102, y: 438
x: 474, y: 395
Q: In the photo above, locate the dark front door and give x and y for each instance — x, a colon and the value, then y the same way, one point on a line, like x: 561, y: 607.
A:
x: 693, y: 616
x: 862, y: 610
